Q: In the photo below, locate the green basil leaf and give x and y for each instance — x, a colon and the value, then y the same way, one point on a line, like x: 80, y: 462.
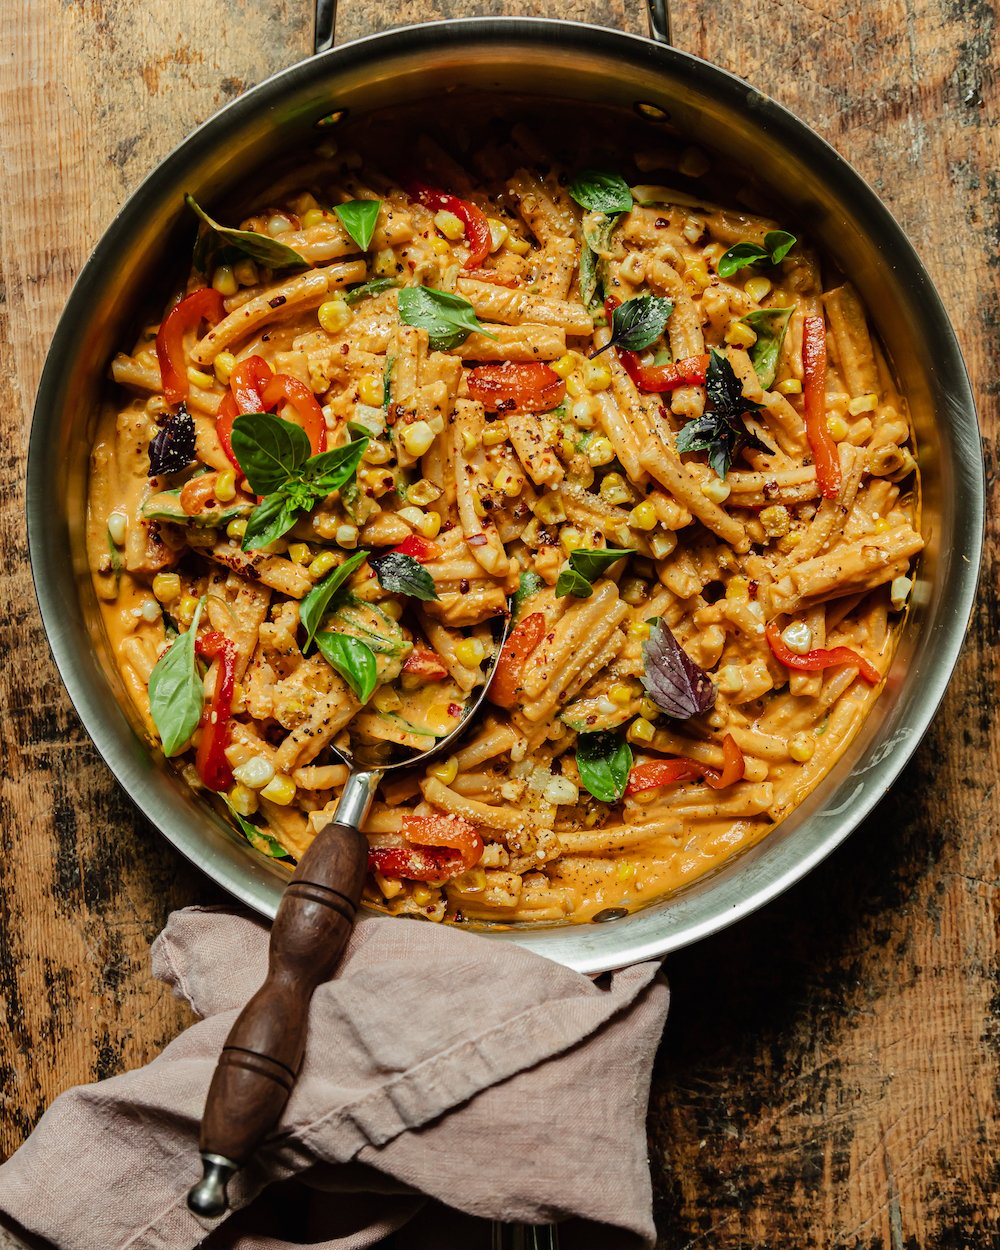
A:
x: 272, y: 518
x: 448, y: 319
x: 601, y: 192
x: 390, y: 362
x: 604, y: 762
x: 589, y: 293
x: 779, y: 243
x: 591, y: 562
x: 570, y: 582
x: 637, y: 323
x: 769, y: 324
x: 331, y: 470
x: 529, y: 583
x: 260, y: 839
x: 353, y: 659
x: 366, y: 289
x: 270, y: 451
x: 400, y: 574
x: 115, y: 555
x: 259, y: 247
x: 176, y: 691
x: 597, y: 231
x: 359, y: 218
x: 739, y: 256
x: 314, y: 606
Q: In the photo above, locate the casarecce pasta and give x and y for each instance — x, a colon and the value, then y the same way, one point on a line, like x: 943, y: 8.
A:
x: 349, y: 447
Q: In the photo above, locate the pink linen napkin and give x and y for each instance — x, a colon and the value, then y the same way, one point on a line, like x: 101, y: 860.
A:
x: 438, y: 1064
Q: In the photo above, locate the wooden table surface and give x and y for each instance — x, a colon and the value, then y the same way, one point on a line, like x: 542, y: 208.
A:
x: 829, y: 1071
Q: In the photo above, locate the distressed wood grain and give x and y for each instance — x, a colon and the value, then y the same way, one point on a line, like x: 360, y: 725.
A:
x: 829, y: 1072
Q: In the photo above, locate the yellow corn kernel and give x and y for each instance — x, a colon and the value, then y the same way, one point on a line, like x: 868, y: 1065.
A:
x: 470, y: 652
x: 621, y: 693
x: 393, y: 608
x: 697, y: 272
x: 790, y: 386
x: 389, y: 887
x: 574, y: 386
x: 385, y: 699
x: 596, y: 375
x: 495, y: 434
x: 648, y: 708
x: 641, y: 730
x: 737, y: 589
x: 519, y: 246
x: 333, y: 315
x: 801, y: 747
x: 643, y: 516
x: 739, y: 335
x: 599, y: 451
x: 280, y: 789
x: 663, y: 545
x: 204, y: 381
x: 508, y: 483
x: 566, y: 448
x: 776, y: 520
x: 451, y: 227
x: 633, y: 591
x: 445, y: 771
x: 570, y: 538
x: 299, y: 553
x: 863, y: 403
x: 693, y: 163
x: 377, y: 453
x: 237, y: 528
x: 324, y: 562
x: 423, y: 492
x: 167, y: 587
x: 384, y: 264
x: 565, y: 365
x: 439, y: 246
x: 186, y: 609
x: 417, y: 438
x: 639, y: 629
x: 312, y: 217
x: 549, y: 510
x: 613, y: 489
x: 838, y: 427
x: 881, y: 525
x: 625, y: 870
x: 225, y: 363
x: 498, y: 233
x: 243, y: 800
x: 225, y: 486
x: 716, y: 489
x: 245, y: 272
x: 469, y: 443
x: 429, y: 525
x: 224, y: 281
x: 370, y: 389
x: 797, y: 637
x: 422, y: 894
x: 714, y: 252
x: 757, y: 288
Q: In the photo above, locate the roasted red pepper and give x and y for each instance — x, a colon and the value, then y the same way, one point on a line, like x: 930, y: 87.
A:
x: 663, y: 772
x: 254, y: 387
x: 441, y: 847
x: 425, y: 664
x: 284, y: 388
x: 523, y: 639
x: 203, y: 305
x: 814, y: 661
x: 477, y: 228
x: 531, y: 387
x: 213, y: 767
x: 821, y: 443
x: 691, y: 371
x: 419, y: 548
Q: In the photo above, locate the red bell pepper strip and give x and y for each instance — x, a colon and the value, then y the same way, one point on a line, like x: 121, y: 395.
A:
x: 228, y: 412
x: 441, y: 847
x: 523, y: 639
x: 691, y: 371
x: 283, y: 387
x: 246, y: 385
x: 203, y: 305
x: 663, y: 772
x: 820, y: 658
x: 412, y: 862
x: 419, y: 548
x: 425, y: 664
x: 477, y: 228
x: 821, y: 444
x: 496, y: 276
x: 213, y: 767
x: 531, y: 387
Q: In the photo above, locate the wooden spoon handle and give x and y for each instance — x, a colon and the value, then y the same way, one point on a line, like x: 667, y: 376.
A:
x: 260, y: 1061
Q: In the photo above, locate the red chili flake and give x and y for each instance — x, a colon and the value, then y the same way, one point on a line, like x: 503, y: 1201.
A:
x: 661, y: 223
x: 477, y: 540
x: 277, y: 301
x: 463, y: 586
x: 752, y: 589
x: 454, y: 710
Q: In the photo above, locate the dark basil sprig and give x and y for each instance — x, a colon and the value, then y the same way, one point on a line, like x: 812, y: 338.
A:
x: 448, y: 319
x: 585, y: 566
x: 274, y: 457
x: 769, y: 324
x: 259, y: 247
x: 604, y: 761
x: 672, y: 679
x: 400, y: 574
x: 353, y: 659
x: 172, y: 447
x: 359, y: 218
x: 722, y: 432
x: 777, y: 245
x: 317, y: 602
x: 260, y: 839
x: 601, y: 192
x: 176, y: 691
x: 375, y: 287
x: 637, y: 323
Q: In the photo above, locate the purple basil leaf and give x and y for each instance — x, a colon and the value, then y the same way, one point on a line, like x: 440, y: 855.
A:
x: 172, y: 448
x: 673, y: 681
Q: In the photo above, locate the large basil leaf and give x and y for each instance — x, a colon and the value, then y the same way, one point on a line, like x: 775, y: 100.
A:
x: 604, y: 761
x: 637, y: 323
x: 331, y: 469
x: 601, y: 192
x: 353, y: 659
x: 269, y: 450
x: 314, y: 606
x: 448, y: 319
x: 769, y: 324
x: 259, y: 247
x: 672, y: 679
x: 777, y: 245
x: 359, y: 218
x: 176, y: 691
x: 400, y: 574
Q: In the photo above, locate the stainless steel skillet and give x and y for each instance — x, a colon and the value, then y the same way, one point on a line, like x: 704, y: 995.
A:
x: 542, y: 58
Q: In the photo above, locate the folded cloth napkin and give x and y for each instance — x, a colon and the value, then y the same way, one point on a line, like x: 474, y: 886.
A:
x: 438, y: 1064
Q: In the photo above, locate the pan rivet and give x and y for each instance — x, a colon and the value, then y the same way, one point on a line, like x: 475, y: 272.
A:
x: 332, y: 119
x: 651, y: 112
x: 610, y: 913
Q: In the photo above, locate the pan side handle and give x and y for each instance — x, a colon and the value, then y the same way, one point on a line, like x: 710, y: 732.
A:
x: 658, y: 14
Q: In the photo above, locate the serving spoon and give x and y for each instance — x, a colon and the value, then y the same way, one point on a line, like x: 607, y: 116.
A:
x: 260, y: 1060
